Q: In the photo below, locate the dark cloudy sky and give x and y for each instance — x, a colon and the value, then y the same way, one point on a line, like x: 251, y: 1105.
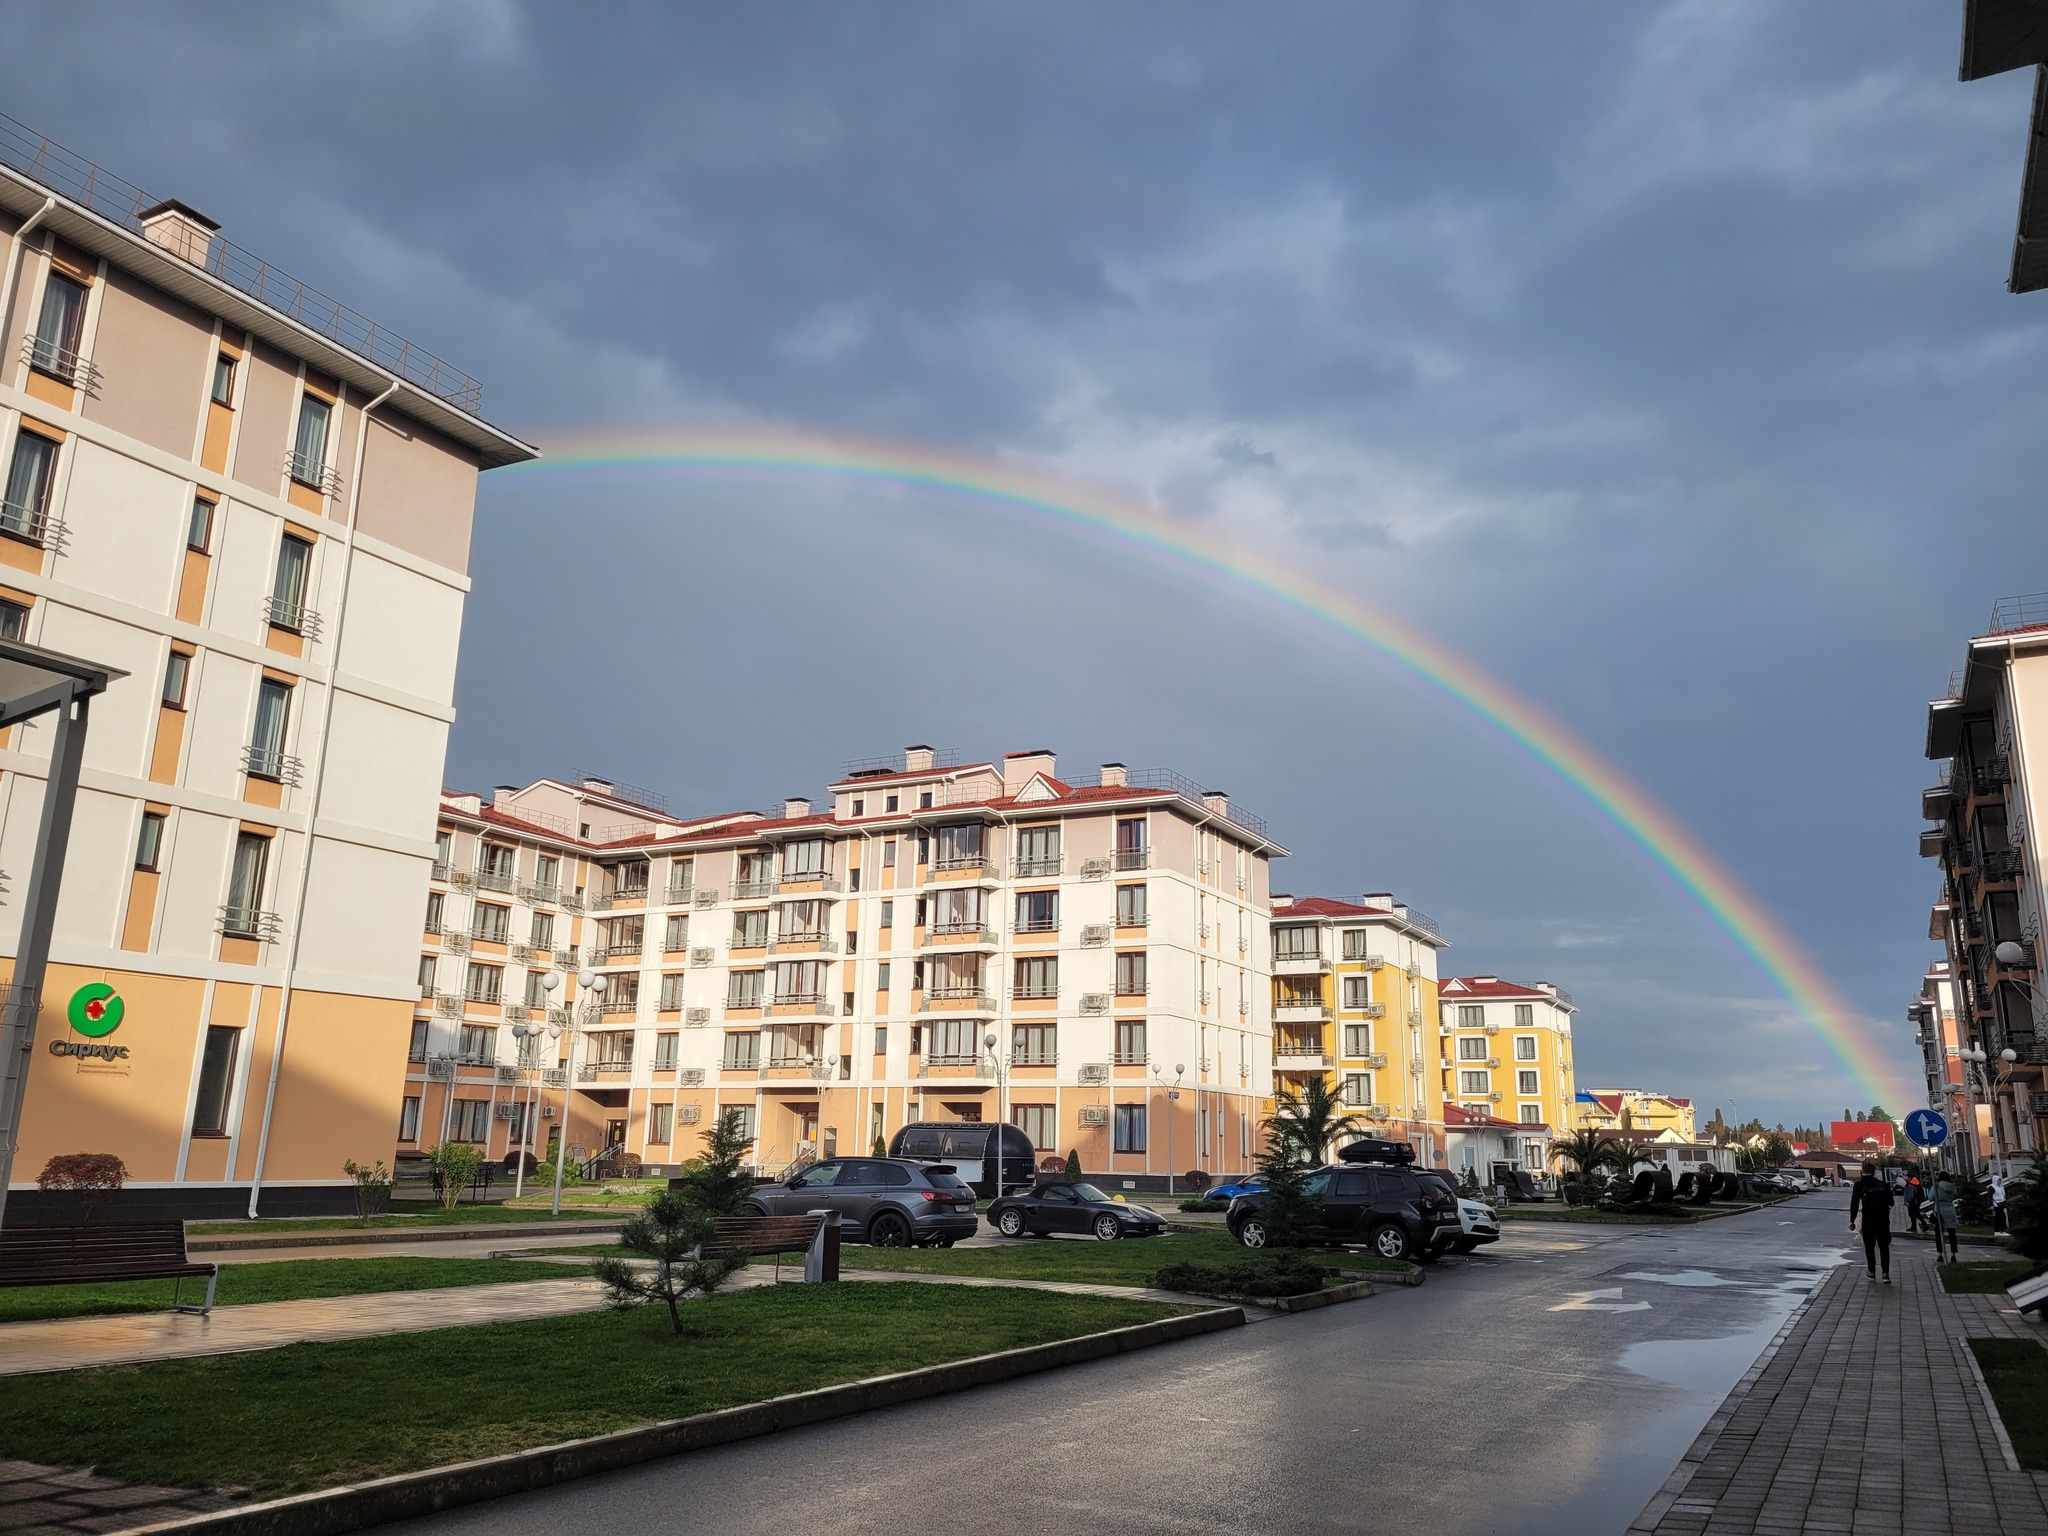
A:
x: 1655, y: 357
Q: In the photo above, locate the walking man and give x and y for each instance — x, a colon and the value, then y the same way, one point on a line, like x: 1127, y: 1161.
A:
x: 1916, y: 1200
x: 1872, y: 1197
x: 1945, y: 1216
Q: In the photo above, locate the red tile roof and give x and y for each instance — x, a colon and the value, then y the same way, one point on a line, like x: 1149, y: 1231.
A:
x: 1323, y: 906
x: 1457, y: 1117
x: 1490, y: 986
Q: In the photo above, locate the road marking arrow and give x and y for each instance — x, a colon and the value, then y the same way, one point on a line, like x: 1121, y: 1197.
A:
x: 1590, y: 1301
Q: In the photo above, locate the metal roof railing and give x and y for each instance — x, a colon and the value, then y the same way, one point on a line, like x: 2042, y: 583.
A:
x: 1181, y: 784
x: 70, y: 175
x: 2026, y: 612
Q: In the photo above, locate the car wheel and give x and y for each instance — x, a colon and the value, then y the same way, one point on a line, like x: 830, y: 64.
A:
x: 1252, y: 1232
x: 889, y: 1231
x: 1011, y: 1223
x: 1464, y: 1244
x: 755, y: 1210
x: 1108, y: 1228
x: 1390, y: 1241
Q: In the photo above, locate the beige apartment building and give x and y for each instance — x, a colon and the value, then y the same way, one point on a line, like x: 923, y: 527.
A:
x: 1355, y: 1004
x: 256, y: 504
x: 1986, y: 833
x: 835, y: 971
x: 1950, y: 1080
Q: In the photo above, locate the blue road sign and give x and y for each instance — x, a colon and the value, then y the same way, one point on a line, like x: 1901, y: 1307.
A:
x: 1926, y: 1128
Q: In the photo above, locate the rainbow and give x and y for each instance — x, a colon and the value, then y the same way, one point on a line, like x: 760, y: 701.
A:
x: 1126, y: 523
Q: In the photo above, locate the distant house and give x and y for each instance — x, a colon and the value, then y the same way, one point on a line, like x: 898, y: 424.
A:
x: 1862, y: 1135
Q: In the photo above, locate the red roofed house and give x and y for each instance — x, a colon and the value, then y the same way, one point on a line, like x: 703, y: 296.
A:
x: 1488, y: 1147
x: 1862, y: 1135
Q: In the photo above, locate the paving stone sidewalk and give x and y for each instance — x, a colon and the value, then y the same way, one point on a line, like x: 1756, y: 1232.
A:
x: 60, y: 1501
x: 1865, y: 1420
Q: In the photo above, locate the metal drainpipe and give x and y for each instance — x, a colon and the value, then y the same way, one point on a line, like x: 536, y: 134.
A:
x: 20, y: 244
x: 291, y: 959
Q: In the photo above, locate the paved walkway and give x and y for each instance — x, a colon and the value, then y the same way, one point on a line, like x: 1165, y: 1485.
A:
x: 35, y: 1500
x: 1865, y: 1419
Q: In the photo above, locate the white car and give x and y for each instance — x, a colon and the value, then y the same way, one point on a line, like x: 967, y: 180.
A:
x: 1479, y: 1225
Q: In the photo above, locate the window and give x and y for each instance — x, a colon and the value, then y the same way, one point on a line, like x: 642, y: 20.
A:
x: 1357, y: 1088
x: 953, y: 1040
x: 223, y: 379
x: 536, y: 989
x: 1525, y: 1047
x: 177, y: 668
x: 216, y: 1081
x: 1130, y: 1042
x: 245, y: 885
x: 149, y: 845
x: 435, y: 902
x: 13, y: 620
x: 1471, y: 1016
x: 1354, y: 944
x: 621, y: 991
x: 891, y: 804
x: 498, y: 860
x: 1038, y: 850
x: 853, y: 878
x: 1035, y: 1045
x: 479, y: 1043
x: 444, y: 846
x: 59, y: 327
x: 419, y: 1031
x: 1130, y: 843
x: 409, y: 1120
x: 860, y: 806
x: 266, y: 743
x: 547, y: 874
x: 742, y: 1050
x: 889, y: 853
x: 661, y: 1123
x: 963, y: 909
x: 888, y: 914
x: 799, y: 981
x: 881, y: 1040
x: 1473, y: 1082
x: 1357, y: 992
x: 1472, y: 1048
x: 1357, y: 1039
x: 1038, y: 976
x: 288, y: 583
x: 1038, y: 911
x: 486, y: 983
x: 672, y: 993
x: 682, y: 877
x: 1297, y: 941
x: 1525, y: 1015
x: 1532, y: 1114
x: 1038, y: 1122
x: 804, y: 860
x: 743, y: 989
x: 802, y: 922
x: 746, y: 1120
x: 26, y: 509
x: 756, y: 875
x: 675, y: 933
x: 882, y: 977
x: 542, y: 934
x: 491, y: 923
x: 470, y: 1120
x: 666, y: 1049
x: 750, y: 929
x: 960, y: 846
x: 309, y: 448
x: 924, y: 799
x: 1130, y: 974
x: 622, y: 935
x: 199, y: 527
x: 1525, y: 1083
x: 613, y: 1049
x: 1130, y: 906
x: 1130, y: 1128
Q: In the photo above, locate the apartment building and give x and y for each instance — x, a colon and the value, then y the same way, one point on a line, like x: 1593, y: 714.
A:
x: 1354, y: 992
x: 1950, y: 1080
x: 836, y: 971
x: 1633, y: 1110
x: 1507, y: 1050
x: 257, y: 505
x: 1986, y: 835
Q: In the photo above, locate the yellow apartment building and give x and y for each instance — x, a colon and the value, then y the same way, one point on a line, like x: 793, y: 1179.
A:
x: 1506, y: 1049
x: 1635, y: 1109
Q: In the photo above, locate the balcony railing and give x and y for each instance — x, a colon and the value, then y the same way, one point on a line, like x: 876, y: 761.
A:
x: 614, y: 951
x: 540, y: 893
x: 1035, y: 1059
x: 488, y: 935
x: 2005, y: 864
x: 488, y: 995
x: 753, y: 890
x: 813, y: 941
x: 269, y: 763
x: 958, y: 997
x: 309, y: 471
x: 1128, y: 1058
x: 296, y: 617
x: 1130, y: 920
x: 679, y: 895
x: 1031, y: 869
x: 46, y: 356
x: 250, y: 923
x: 440, y: 871
x: 493, y: 880
x: 1133, y: 858
x: 32, y: 525
x: 1047, y: 925
x: 1035, y: 993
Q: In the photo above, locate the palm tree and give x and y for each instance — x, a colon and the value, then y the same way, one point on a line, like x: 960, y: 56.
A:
x: 1627, y: 1155
x: 1585, y: 1149
x: 1306, y: 1123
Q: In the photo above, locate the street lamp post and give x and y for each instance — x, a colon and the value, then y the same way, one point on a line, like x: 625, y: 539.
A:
x: 592, y: 983
x: 1002, y: 1112
x: 550, y: 984
x: 1172, y: 1096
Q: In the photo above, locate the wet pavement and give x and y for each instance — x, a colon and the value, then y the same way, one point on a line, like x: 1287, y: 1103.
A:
x: 1546, y: 1385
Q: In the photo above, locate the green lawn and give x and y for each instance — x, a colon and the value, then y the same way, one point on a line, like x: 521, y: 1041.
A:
x: 284, y: 1420
x: 2016, y: 1371
x: 1128, y: 1262
x: 1982, y: 1279
x: 287, y: 1280
x: 423, y: 1216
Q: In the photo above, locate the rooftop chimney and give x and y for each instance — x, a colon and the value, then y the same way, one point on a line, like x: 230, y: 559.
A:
x: 1114, y: 774
x: 466, y: 801
x: 598, y: 786
x: 501, y: 796
x: 1019, y: 768
x: 183, y: 231
x: 917, y: 759
x: 1216, y: 800
x: 794, y: 807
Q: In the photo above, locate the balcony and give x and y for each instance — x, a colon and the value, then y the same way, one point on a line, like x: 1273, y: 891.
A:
x: 2006, y: 864
x: 32, y: 525
x: 1301, y: 965
x: 680, y: 895
x: 620, y: 951
x: 1299, y: 1011
x: 1133, y: 858
x: 1034, y: 994
x: 45, y: 356
x: 250, y: 923
x: 961, y: 935
x: 1299, y: 1061
x: 1990, y: 776
x: 495, y: 880
x: 592, y: 1071
x: 819, y: 879
x: 756, y: 889
x: 440, y: 871
x: 1035, y: 1059
x: 296, y: 617
x: 310, y: 472
x: 536, y: 894
x: 813, y: 941
x: 269, y: 763
x: 1037, y: 869
x: 957, y: 1000
x: 1025, y: 930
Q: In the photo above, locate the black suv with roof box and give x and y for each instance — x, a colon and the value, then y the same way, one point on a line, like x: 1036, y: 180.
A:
x: 1371, y: 1196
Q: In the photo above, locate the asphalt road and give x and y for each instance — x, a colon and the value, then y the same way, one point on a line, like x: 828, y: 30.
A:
x: 1545, y: 1385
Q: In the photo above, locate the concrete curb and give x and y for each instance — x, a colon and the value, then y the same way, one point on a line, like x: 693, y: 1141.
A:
x: 379, y: 1235
x: 1329, y: 1296
x: 411, y: 1494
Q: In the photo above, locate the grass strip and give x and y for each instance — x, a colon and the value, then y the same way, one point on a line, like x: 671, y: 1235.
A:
x: 2016, y: 1371
x: 1987, y: 1278
x: 288, y: 1280
x: 1131, y: 1261
x: 312, y: 1415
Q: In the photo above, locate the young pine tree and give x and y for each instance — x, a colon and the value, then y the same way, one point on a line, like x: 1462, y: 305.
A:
x: 669, y: 1231
x: 719, y: 1185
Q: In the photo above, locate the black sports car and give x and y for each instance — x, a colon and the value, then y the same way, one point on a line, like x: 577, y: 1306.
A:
x: 1072, y: 1207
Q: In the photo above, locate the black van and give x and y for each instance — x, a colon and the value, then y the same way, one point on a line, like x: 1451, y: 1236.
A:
x: 971, y: 1147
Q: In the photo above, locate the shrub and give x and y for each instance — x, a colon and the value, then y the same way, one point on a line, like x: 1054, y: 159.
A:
x: 456, y: 1163
x: 91, y: 1176
x: 880, y: 1148
x: 1198, y: 1203
x: 1073, y: 1165
x: 572, y: 1172
x: 1195, y: 1179
x: 1277, y: 1274
x: 1973, y: 1199
x: 2026, y: 1209
x: 373, y: 1187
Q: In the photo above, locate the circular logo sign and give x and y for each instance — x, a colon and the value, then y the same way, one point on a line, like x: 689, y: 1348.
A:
x: 96, y: 1010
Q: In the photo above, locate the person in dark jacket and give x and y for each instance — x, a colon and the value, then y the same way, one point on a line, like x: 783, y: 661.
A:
x: 1916, y: 1202
x: 1872, y: 1198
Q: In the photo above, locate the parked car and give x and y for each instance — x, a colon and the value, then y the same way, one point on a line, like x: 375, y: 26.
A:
x: 1225, y: 1193
x: 1478, y: 1222
x: 971, y: 1149
x: 891, y: 1202
x: 1388, y: 1208
x: 1072, y: 1207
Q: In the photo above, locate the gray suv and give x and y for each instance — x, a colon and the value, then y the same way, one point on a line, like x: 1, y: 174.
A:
x: 891, y: 1202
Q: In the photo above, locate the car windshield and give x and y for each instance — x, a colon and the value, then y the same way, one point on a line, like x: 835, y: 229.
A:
x: 1091, y: 1194
x: 945, y: 1179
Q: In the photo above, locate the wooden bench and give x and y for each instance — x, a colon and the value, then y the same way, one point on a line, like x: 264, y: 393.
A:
x: 131, y: 1250
x: 814, y: 1235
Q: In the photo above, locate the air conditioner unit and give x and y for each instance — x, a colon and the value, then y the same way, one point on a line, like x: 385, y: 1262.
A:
x: 455, y: 943
x: 461, y: 878
x: 1095, y: 1114
x: 1205, y: 933
x: 565, y: 959
x: 691, y: 1114
x: 1095, y: 1002
x: 1094, y: 1072
x: 547, y: 1111
x: 519, y: 952
x: 1095, y: 934
x: 1493, y: 1029
x: 1493, y: 1061
x: 706, y: 896
x: 697, y: 1018
x: 1495, y: 1097
x: 502, y: 1112
x: 702, y: 957
x: 1094, y: 869
x: 1375, y: 962
x: 693, y: 1077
